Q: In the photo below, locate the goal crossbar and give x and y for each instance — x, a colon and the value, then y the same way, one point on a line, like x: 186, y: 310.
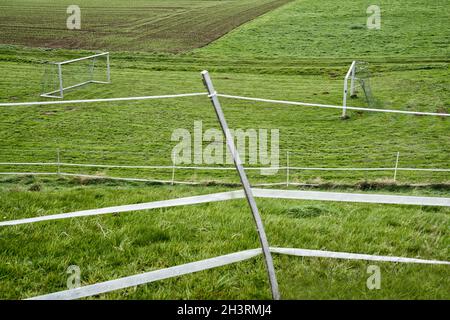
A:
x: 84, y: 58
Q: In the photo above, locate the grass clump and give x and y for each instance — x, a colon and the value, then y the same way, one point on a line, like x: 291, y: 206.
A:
x: 307, y: 211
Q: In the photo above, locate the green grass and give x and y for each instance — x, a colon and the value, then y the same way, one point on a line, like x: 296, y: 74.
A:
x: 327, y: 28
x: 35, y: 257
x: 318, y: 137
x: 298, y: 52
x: 142, y: 25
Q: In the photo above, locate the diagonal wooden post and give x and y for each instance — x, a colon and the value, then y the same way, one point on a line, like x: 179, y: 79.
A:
x: 245, y: 183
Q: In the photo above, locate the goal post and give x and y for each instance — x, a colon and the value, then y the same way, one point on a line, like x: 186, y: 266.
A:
x: 350, y: 75
x: 61, y: 76
x: 359, y: 76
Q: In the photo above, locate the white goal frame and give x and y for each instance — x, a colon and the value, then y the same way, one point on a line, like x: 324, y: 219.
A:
x: 349, y: 76
x: 59, y: 93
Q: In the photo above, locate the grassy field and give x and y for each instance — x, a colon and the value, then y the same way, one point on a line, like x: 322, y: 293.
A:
x: 138, y: 25
x: 328, y: 28
x: 316, y: 138
x: 112, y: 246
x: 301, y: 52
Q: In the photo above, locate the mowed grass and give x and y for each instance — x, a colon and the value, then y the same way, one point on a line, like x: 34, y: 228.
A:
x: 142, y: 25
x: 327, y: 28
x: 264, y: 62
x: 34, y: 258
x: 139, y: 133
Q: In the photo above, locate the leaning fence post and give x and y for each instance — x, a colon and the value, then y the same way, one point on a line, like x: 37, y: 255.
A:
x: 245, y: 183
x: 396, y: 166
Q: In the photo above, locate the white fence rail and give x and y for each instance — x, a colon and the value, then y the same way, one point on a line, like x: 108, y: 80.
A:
x: 278, y: 194
x: 289, y: 171
x: 239, y: 194
x: 117, y: 166
x: 329, y: 106
x: 46, y: 103
x: 193, y: 267
x: 131, y: 281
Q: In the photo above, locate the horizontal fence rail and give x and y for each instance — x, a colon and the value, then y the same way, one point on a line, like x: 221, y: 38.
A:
x: 151, y: 276
x: 239, y: 194
x: 188, y: 268
x: 352, y: 197
x: 223, y: 196
x: 305, y: 104
x: 113, y: 166
x: 166, y: 174
x: 45, y: 103
x: 193, y: 267
x: 351, y: 256
x: 285, y: 102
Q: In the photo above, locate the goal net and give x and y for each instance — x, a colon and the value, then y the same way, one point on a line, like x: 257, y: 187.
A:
x: 359, y: 77
x: 59, y: 77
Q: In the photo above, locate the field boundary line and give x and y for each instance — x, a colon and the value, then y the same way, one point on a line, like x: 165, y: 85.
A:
x: 117, y: 166
x: 239, y: 194
x: 28, y: 173
x: 351, y: 256
x: 351, y: 197
x: 332, y: 106
x: 34, y: 103
x: 152, y: 276
x: 222, y: 196
x: 193, y: 267
x: 369, y: 169
x: 44, y: 103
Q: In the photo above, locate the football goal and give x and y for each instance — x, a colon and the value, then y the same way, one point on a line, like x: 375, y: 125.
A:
x: 62, y: 76
x: 359, y: 76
